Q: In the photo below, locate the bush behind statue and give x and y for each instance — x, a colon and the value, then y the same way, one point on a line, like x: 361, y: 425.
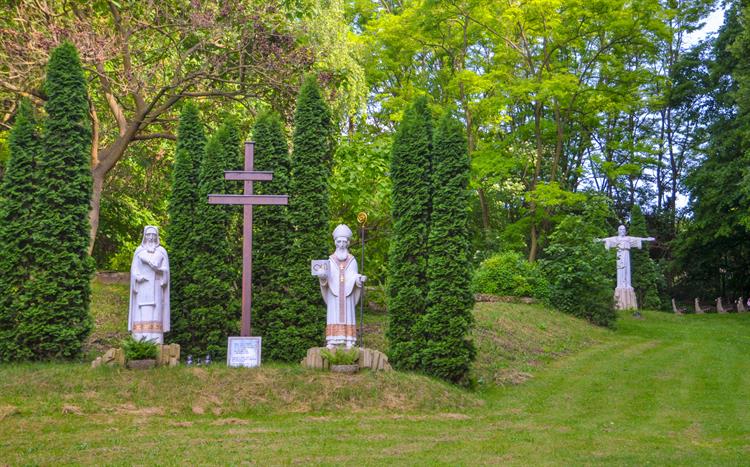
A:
x: 509, y: 273
x: 579, y: 272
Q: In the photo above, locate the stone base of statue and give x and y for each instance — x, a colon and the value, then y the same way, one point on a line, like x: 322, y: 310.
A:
x: 625, y: 299
x: 372, y: 359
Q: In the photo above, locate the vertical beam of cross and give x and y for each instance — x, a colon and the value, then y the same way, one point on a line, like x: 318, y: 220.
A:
x: 247, y: 200
x: 247, y: 247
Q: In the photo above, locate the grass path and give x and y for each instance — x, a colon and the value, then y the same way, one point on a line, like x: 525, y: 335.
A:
x: 663, y: 390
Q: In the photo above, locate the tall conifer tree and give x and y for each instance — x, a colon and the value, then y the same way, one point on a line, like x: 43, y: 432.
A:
x: 54, y: 320
x: 216, y: 311
x: 271, y: 237
x: 191, y: 143
x: 303, y: 324
x: 407, y: 269
x: 17, y: 198
x: 444, y: 348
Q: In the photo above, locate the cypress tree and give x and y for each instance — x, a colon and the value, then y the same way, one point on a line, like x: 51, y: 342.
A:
x: 214, y: 316
x: 407, y: 269
x: 54, y: 320
x: 645, y: 273
x: 302, y: 324
x: 191, y: 143
x: 271, y: 237
x: 445, y: 350
x: 17, y: 198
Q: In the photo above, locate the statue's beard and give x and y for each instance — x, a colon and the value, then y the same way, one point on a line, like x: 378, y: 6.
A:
x: 151, y: 247
x: 342, y: 253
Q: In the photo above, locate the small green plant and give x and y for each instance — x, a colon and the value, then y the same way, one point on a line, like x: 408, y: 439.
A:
x: 341, y: 356
x: 509, y: 273
x: 142, y: 349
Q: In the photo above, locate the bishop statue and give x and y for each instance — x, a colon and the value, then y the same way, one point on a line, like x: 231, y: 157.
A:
x: 341, y: 286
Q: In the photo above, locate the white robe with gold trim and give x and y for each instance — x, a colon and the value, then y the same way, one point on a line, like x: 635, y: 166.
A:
x: 341, y: 289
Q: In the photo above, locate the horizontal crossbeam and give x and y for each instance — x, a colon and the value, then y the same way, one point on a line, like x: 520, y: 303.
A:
x: 248, y: 199
x: 248, y: 176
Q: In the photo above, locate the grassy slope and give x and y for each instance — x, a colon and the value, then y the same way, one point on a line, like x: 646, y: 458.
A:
x: 667, y: 389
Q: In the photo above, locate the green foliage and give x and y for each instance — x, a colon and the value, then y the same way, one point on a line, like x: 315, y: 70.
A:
x: 191, y: 144
x: 360, y: 182
x: 509, y: 273
x: 442, y: 332
x: 647, y: 279
x: 272, y: 237
x: 341, y: 356
x: 136, y: 194
x: 215, y: 312
x: 303, y: 322
x: 580, y: 271
x: 142, y: 349
x: 407, y: 269
x: 17, y: 224
x: 54, y: 321
x: 712, y: 249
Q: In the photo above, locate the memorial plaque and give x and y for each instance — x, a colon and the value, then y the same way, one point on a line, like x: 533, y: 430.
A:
x: 244, y: 352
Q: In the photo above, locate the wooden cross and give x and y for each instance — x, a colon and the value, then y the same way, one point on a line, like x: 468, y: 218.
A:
x: 247, y: 201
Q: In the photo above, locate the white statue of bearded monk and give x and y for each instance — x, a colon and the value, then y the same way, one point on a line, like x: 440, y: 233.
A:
x: 148, y: 317
x: 341, y: 286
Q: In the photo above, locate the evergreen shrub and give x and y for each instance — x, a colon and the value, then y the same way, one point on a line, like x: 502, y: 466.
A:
x: 17, y: 225
x: 191, y: 143
x: 411, y: 176
x: 442, y: 332
x: 215, y: 313
x: 302, y: 324
x: 509, y: 273
x: 272, y: 237
x: 53, y: 320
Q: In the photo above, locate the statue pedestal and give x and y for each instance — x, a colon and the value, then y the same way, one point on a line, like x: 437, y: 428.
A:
x: 625, y: 298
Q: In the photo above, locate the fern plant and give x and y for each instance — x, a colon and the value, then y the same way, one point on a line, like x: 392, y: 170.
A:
x: 142, y: 349
x: 341, y: 356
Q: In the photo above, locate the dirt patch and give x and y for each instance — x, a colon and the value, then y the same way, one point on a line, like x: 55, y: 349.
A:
x: 182, y: 424
x: 694, y: 432
x: 69, y: 409
x: 131, y: 409
x: 511, y: 376
x: 230, y: 421
x: 8, y: 411
x: 322, y: 418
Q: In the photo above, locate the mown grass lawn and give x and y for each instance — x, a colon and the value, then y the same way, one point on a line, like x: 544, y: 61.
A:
x: 662, y: 390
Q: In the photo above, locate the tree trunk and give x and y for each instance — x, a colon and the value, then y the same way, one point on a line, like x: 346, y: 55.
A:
x: 96, y: 201
x: 537, y: 172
